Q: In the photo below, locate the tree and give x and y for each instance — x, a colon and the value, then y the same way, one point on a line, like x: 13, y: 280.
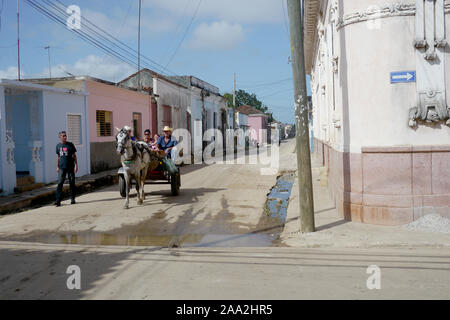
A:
x: 229, y: 98
x: 249, y: 99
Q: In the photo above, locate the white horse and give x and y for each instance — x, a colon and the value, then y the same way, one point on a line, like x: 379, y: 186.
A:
x: 135, y: 158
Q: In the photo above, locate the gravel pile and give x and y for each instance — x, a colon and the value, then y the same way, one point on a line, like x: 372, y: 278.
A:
x: 430, y: 223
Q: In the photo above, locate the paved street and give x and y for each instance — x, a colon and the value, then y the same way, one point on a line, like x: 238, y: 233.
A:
x: 32, y: 271
x: 170, y: 248
x: 215, y: 200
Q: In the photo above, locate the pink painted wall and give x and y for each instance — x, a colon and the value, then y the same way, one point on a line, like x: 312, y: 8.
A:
x: 256, y: 123
x: 121, y: 102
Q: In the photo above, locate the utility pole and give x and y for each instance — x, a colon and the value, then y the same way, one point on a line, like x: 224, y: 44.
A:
x: 18, y: 43
x: 234, y: 91
x: 139, y: 47
x: 49, y: 64
x: 301, y: 117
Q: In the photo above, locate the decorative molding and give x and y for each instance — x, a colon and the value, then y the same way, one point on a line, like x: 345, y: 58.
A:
x: 372, y: 13
x: 385, y: 11
x: 431, y: 108
x: 334, y: 12
x: 335, y: 63
x: 10, y: 153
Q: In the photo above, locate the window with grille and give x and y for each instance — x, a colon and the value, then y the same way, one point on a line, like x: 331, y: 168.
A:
x: 74, y: 129
x: 104, y: 123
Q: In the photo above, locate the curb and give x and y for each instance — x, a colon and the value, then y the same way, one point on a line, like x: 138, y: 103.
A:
x: 38, y: 198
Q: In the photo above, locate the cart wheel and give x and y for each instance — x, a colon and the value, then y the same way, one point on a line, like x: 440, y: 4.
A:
x: 175, y: 184
x: 122, y: 186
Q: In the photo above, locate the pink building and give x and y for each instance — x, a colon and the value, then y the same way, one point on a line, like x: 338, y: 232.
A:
x: 258, y: 121
x: 109, y: 106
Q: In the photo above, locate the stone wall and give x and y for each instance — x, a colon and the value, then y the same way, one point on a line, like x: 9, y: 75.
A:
x: 388, y: 185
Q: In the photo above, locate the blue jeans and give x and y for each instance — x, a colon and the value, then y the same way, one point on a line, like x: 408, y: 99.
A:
x: 61, y: 178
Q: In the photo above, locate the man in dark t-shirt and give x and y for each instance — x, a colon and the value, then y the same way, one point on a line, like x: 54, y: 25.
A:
x: 66, y: 165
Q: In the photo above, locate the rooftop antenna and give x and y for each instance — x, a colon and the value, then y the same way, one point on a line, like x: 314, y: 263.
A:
x: 139, y: 47
x: 49, y: 64
x: 18, y: 43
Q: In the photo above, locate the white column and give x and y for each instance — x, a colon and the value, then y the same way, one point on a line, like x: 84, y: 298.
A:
x: 8, y: 166
x: 36, y: 165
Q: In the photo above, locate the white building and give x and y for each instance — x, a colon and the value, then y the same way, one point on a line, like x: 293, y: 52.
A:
x: 31, y: 116
x: 207, y: 107
x: 172, y: 99
x: 379, y: 81
x: 242, y: 123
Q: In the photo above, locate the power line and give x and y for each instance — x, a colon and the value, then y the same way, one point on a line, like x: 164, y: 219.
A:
x: 185, y: 33
x: 283, y: 5
x: 1, y: 11
x: 93, y: 34
x: 83, y: 35
x: 188, y: 2
x: 278, y: 92
x: 118, y: 34
x: 267, y: 84
x: 10, y: 46
x: 158, y: 67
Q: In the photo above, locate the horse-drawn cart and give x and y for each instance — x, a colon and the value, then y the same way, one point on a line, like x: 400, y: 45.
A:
x: 156, y: 174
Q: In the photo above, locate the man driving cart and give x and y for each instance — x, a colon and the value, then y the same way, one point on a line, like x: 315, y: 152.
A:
x: 167, y: 143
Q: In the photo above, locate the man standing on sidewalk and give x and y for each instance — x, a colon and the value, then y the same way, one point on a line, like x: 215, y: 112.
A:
x: 66, y: 164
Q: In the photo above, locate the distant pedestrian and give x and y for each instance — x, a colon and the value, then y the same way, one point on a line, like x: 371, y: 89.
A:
x: 66, y: 165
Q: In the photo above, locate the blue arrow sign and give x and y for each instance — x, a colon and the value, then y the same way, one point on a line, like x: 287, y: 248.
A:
x: 403, y: 76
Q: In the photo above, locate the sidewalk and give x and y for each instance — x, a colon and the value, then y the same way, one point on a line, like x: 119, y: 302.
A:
x: 333, y: 231
x: 38, y: 197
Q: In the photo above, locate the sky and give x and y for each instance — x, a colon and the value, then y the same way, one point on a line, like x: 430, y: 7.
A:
x: 209, y: 39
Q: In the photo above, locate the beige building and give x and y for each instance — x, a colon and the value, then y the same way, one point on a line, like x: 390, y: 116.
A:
x: 380, y: 74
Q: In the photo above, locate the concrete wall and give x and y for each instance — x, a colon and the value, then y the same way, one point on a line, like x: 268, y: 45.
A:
x: 380, y: 170
x: 20, y: 106
x: 56, y: 106
x: 174, y: 96
x: 104, y: 156
x: 121, y: 102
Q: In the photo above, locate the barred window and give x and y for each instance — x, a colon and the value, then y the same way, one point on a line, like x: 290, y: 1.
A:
x: 104, y: 123
x: 74, y: 128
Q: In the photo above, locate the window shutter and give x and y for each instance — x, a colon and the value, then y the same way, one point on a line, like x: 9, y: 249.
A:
x: 104, y: 123
x: 74, y: 128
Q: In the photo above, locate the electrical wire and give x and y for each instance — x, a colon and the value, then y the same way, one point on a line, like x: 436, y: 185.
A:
x: 118, y: 34
x: 93, y: 35
x: 267, y: 84
x: 83, y: 35
x: 278, y: 92
x: 177, y: 28
x: 105, y: 36
x: 283, y: 5
x: 185, y: 33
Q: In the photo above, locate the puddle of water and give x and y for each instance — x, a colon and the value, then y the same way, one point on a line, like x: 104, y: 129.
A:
x: 220, y: 233
x: 278, y: 198
x: 184, y: 240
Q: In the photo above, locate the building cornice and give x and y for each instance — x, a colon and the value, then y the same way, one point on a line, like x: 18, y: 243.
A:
x: 312, y: 8
x: 311, y: 16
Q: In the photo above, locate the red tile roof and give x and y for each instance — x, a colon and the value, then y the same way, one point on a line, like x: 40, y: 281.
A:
x: 249, y: 110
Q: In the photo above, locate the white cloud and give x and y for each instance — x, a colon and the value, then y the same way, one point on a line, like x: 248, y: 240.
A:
x: 217, y: 36
x: 247, y: 11
x: 104, y: 68
x: 117, y: 26
x: 10, y: 73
